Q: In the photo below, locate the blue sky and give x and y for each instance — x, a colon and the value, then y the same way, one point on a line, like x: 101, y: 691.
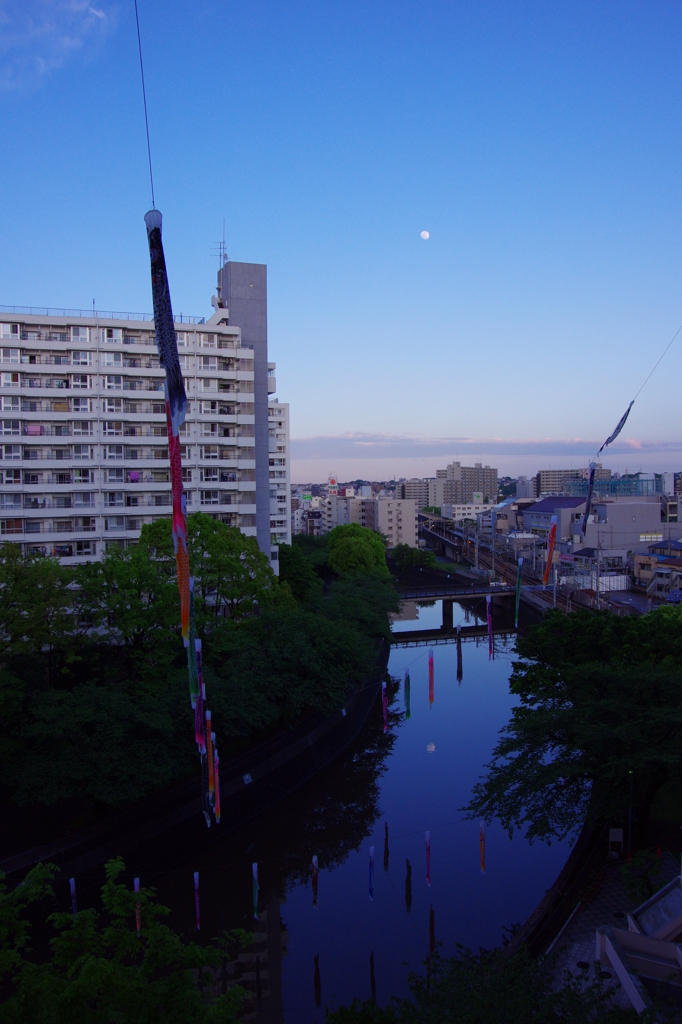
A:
x: 538, y: 143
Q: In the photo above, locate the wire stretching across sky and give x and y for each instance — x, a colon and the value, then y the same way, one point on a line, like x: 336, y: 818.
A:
x: 144, y: 100
x: 658, y: 361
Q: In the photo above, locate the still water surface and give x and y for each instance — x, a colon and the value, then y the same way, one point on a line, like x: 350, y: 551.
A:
x: 414, y: 778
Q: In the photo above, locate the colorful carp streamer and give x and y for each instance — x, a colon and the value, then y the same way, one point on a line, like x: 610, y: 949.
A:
x: 406, y: 690
x: 163, y: 322
x: 384, y: 704
x: 197, y: 905
x: 588, y: 500
x: 371, y: 873
x: 176, y: 411
x: 199, y: 705
x: 430, y: 678
x: 316, y: 878
x: 550, y: 550
x: 427, y: 838
x: 136, y: 887
x: 481, y: 843
x: 74, y: 905
x: 518, y: 592
x: 459, y: 655
x: 254, y: 869
x: 216, y: 783
x: 489, y: 613
x: 209, y: 757
x: 593, y: 465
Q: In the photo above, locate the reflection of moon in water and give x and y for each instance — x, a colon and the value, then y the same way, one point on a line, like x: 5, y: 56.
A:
x: 430, y: 747
x: 424, y: 235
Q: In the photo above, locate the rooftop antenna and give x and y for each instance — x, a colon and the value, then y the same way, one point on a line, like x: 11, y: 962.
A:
x: 220, y: 250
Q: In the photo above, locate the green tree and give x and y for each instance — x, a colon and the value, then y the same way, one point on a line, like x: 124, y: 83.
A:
x: 297, y: 570
x: 406, y: 557
x: 101, y: 970
x: 356, y: 549
x: 600, y: 704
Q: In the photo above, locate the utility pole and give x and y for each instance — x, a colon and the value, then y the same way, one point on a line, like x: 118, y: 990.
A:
x: 598, y: 572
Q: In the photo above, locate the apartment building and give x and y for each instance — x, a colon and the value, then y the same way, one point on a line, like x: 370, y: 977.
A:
x: 84, y: 452
x: 414, y: 490
x: 557, y: 481
x: 396, y: 519
x: 280, y: 490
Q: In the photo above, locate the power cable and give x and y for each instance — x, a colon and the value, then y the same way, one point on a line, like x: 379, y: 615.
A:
x: 144, y: 100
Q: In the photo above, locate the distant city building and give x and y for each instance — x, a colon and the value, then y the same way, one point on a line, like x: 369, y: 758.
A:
x: 416, y: 490
x: 526, y: 487
x: 558, y: 481
x: 397, y: 520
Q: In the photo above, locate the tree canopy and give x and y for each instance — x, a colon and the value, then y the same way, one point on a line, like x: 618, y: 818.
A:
x: 600, y: 707
x: 356, y: 549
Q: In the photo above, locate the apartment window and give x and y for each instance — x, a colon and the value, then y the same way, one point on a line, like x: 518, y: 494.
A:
x: 82, y: 476
x: 10, y: 526
x: 10, y: 380
x: 115, y: 523
x: 110, y: 359
x: 112, y: 428
x: 208, y: 407
x: 8, y: 501
x: 112, y: 383
x: 81, y: 358
x: 10, y: 403
x: 185, y: 362
x: 10, y: 355
x: 11, y: 451
x: 9, y: 427
x: 208, y: 384
x: 114, y: 499
x: 207, y: 340
x: 209, y: 451
x: 114, y: 476
x: 9, y: 330
x: 161, y: 476
x: 82, y: 428
x: 83, y: 500
x: 205, y: 362
x: 183, y: 341
x: 80, y: 381
x: 112, y: 335
x: 186, y: 475
x: 209, y: 497
x: 209, y: 475
x: 209, y: 430
x: 86, y: 547
x: 12, y: 476
x: 113, y: 451
x: 83, y: 451
x: 79, y: 334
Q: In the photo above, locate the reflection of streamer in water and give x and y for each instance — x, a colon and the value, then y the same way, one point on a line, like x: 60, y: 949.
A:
x: 407, y: 693
x: 136, y: 887
x: 430, y: 678
x: 432, y: 931
x: 384, y: 704
x: 459, y: 654
x: 254, y: 868
x: 408, y: 886
x: 372, y: 979
x: 481, y: 841
x: 385, y: 846
x: 489, y: 612
x: 317, y: 982
x: 196, y: 900
x: 74, y: 906
x: 371, y: 872
x: 316, y: 875
x: 428, y: 858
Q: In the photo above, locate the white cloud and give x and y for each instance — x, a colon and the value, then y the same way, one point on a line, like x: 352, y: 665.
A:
x: 38, y: 36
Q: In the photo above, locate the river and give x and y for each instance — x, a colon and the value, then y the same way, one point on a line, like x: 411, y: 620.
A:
x: 406, y: 781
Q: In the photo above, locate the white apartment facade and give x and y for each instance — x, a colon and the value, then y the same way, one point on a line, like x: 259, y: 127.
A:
x: 397, y: 520
x: 83, y: 446
x: 280, y: 489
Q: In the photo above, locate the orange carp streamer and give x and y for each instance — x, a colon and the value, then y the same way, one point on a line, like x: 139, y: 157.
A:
x: 550, y: 550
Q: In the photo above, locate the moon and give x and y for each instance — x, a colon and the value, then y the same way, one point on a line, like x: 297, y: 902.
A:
x: 430, y: 747
x: 424, y: 235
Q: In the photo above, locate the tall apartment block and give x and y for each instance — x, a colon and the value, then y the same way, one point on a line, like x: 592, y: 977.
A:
x: 84, y: 452
x: 280, y: 491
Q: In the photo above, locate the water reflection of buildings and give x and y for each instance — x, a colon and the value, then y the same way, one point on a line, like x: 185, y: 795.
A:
x: 259, y: 968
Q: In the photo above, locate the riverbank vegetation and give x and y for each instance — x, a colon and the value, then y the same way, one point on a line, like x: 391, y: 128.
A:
x: 491, y: 987
x: 598, y: 726
x: 100, y: 967
x: 93, y: 676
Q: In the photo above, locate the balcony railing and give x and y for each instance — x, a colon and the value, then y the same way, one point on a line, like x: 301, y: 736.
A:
x: 68, y: 314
